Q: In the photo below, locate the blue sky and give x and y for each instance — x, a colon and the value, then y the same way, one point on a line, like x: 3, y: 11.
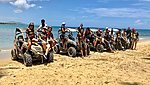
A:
x: 96, y: 13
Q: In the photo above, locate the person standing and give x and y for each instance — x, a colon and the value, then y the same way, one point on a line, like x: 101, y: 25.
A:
x: 129, y: 36
x: 80, y: 28
x: 134, y: 39
x: 81, y: 40
x: 62, y: 35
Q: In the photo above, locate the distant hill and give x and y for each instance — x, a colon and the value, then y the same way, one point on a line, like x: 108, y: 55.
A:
x: 7, y: 23
x: 11, y: 22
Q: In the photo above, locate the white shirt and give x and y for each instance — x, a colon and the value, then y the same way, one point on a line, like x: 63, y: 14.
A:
x: 43, y: 27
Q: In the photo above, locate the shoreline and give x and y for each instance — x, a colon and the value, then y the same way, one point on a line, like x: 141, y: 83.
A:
x: 5, y: 55
x: 141, y: 40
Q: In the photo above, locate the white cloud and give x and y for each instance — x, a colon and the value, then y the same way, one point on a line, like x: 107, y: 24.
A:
x: 40, y: 7
x: 119, y: 12
x: 6, y: 0
x: 138, y: 22
x: 22, y: 4
x: 141, y: 3
x: 84, y: 16
x: 18, y: 11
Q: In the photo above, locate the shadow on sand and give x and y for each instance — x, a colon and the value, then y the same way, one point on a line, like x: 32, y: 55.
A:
x: 2, y: 73
x: 35, y: 62
x: 146, y: 58
x: 99, y: 59
x: 65, y: 54
x: 38, y: 62
x: 130, y: 83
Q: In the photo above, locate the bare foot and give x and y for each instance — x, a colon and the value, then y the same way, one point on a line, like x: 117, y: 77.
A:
x: 82, y: 57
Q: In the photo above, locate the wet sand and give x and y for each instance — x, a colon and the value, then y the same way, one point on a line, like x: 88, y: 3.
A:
x: 5, y: 54
x: 130, y: 67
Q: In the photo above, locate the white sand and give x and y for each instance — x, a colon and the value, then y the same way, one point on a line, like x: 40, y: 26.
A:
x: 131, y: 67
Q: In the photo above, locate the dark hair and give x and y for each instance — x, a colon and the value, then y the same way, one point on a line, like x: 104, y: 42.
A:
x: 119, y: 29
x: 81, y: 24
x: 112, y: 30
x: 42, y: 21
x: 49, y: 27
x: 125, y: 30
x: 31, y: 24
x: 88, y: 28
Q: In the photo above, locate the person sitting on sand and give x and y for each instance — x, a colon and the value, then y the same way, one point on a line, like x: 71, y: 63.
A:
x: 134, y: 38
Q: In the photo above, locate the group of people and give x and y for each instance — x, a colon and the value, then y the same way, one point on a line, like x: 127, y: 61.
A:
x: 112, y: 40
x: 84, y: 37
x: 44, y: 38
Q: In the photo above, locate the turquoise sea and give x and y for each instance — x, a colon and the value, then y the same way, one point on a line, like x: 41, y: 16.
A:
x: 7, y: 34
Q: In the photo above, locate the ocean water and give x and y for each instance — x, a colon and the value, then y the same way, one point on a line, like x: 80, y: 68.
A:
x: 7, y: 34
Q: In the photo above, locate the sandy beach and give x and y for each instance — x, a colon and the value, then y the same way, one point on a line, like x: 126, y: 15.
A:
x: 130, y: 67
